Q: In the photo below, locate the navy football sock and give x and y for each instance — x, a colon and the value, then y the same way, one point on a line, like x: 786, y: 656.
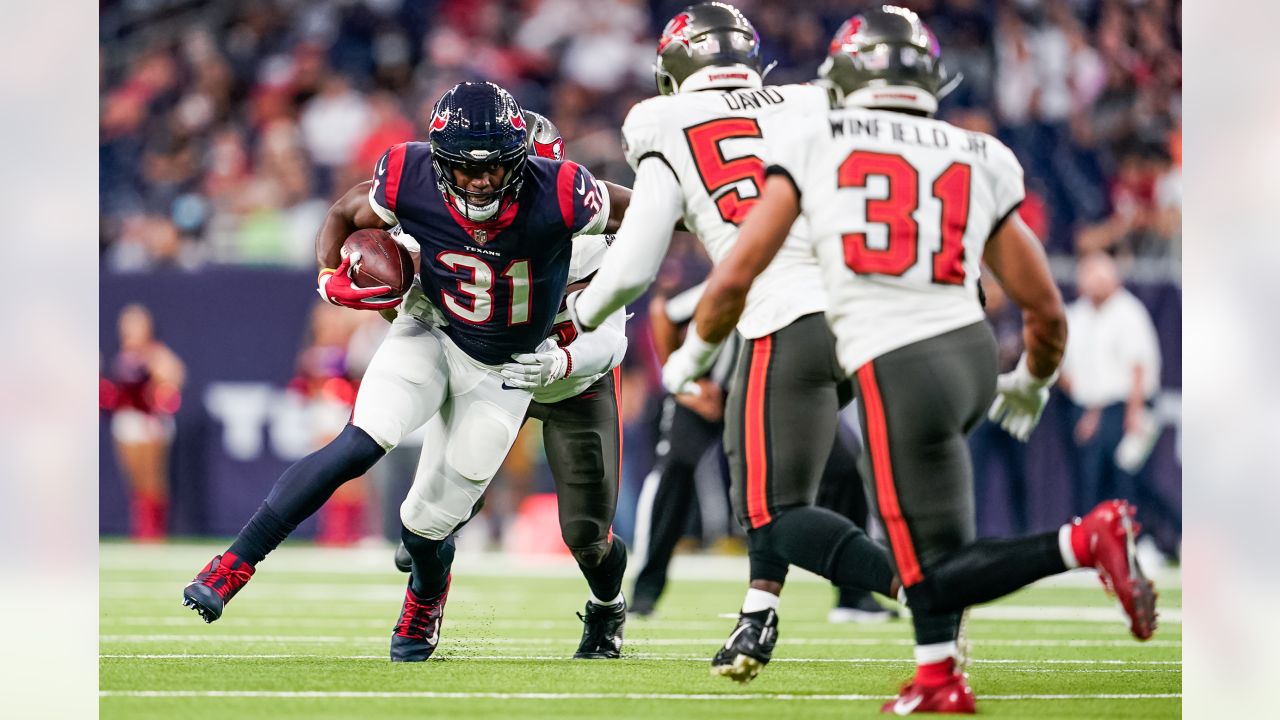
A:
x: 264, y: 531
x: 308, y: 483
x: 303, y: 488
x: 432, y: 560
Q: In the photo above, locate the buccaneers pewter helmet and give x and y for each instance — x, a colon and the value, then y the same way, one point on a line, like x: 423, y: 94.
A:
x: 544, y: 136
x: 886, y: 58
x: 711, y: 42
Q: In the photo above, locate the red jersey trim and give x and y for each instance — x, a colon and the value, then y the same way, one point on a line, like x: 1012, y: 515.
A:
x: 395, y: 167
x: 564, y: 191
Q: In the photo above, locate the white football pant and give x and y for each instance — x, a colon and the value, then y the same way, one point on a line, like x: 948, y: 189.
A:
x: 419, y: 373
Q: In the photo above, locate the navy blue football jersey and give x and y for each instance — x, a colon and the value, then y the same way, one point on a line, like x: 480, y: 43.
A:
x: 500, y: 281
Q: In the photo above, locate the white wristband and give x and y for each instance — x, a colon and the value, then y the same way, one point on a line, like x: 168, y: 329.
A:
x: 697, y: 347
x: 1036, y: 382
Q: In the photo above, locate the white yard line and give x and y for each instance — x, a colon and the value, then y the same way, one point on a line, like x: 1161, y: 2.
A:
x: 139, y: 638
x: 185, y: 560
x: 578, y: 696
x: 1030, y: 664
x: 1000, y: 613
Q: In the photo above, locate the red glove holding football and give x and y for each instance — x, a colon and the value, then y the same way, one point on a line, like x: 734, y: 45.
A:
x: 335, y: 286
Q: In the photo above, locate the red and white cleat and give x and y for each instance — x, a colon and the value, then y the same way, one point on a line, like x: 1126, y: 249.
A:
x: 1105, y: 540
x: 953, y: 696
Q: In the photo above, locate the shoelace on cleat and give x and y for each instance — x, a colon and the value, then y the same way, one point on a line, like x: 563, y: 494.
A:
x: 594, y: 626
x: 415, y: 618
x: 234, y: 579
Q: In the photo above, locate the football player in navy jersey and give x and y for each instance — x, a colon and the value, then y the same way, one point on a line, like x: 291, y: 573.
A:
x: 496, y: 230
x: 576, y: 395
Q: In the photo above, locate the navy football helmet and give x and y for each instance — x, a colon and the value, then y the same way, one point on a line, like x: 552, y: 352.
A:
x: 475, y: 125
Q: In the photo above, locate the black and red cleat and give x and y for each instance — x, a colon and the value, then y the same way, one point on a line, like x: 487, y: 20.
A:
x: 952, y: 696
x: 1105, y: 540
x: 417, y: 633
x: 216, y: 584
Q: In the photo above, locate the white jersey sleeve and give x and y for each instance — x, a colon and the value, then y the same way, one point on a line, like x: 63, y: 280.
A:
x: 641, y: 243
x: 1005, y: 177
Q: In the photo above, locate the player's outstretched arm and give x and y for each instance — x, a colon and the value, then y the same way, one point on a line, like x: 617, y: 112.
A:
x: 760, y: 238
x: 763, y: 233
x: 350, y: 213
x: 666, y: 334
x: 1016, y: 258
x: 633, y: 261
x: 619, y: 201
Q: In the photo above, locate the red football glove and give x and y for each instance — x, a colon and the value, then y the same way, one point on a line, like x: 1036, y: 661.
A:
x: 336, y: 287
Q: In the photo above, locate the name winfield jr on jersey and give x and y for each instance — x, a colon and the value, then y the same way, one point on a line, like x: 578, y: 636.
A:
x: 903, y: 132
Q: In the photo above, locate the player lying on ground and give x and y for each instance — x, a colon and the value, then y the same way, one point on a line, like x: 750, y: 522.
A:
x: 576, y: 395
x: 496, y: 229
x: 697, y: 154
x: 901, y: 208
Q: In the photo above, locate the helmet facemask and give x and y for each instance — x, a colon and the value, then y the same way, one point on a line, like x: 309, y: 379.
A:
x: 480, y: 207
x: 476, y: 128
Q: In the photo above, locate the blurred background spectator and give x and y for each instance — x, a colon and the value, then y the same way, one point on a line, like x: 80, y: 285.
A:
x: 228, y: 127
x: 1111, y: 373
x: 142, y: 390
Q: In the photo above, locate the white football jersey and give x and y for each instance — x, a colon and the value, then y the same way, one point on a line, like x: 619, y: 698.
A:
x: 899, y: 208
x: 714, y: 143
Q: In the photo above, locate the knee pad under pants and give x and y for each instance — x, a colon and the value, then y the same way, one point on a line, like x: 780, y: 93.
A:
x: 405, y: 384
x: 462, y: 450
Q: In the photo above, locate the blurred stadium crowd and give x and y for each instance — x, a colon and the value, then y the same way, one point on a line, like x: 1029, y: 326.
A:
x: 228, y: 127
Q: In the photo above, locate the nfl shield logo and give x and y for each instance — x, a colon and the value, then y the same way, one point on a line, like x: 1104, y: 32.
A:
x: 480, y: 236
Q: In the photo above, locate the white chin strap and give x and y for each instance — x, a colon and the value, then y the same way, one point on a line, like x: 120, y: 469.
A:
x: 898, y: 97
x: 478, y: 213
x: 729, y: 76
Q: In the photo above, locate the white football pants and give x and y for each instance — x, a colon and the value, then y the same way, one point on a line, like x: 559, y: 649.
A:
x: 419, y: 373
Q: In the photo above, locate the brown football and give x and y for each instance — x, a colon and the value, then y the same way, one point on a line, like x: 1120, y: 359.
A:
x: 383, y: 261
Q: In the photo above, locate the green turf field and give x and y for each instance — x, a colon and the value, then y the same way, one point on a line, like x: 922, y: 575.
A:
x: 308, y: 639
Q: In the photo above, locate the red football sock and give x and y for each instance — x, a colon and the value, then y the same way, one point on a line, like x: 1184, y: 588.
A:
x: 934, y: 674
x: 1080, y: 545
